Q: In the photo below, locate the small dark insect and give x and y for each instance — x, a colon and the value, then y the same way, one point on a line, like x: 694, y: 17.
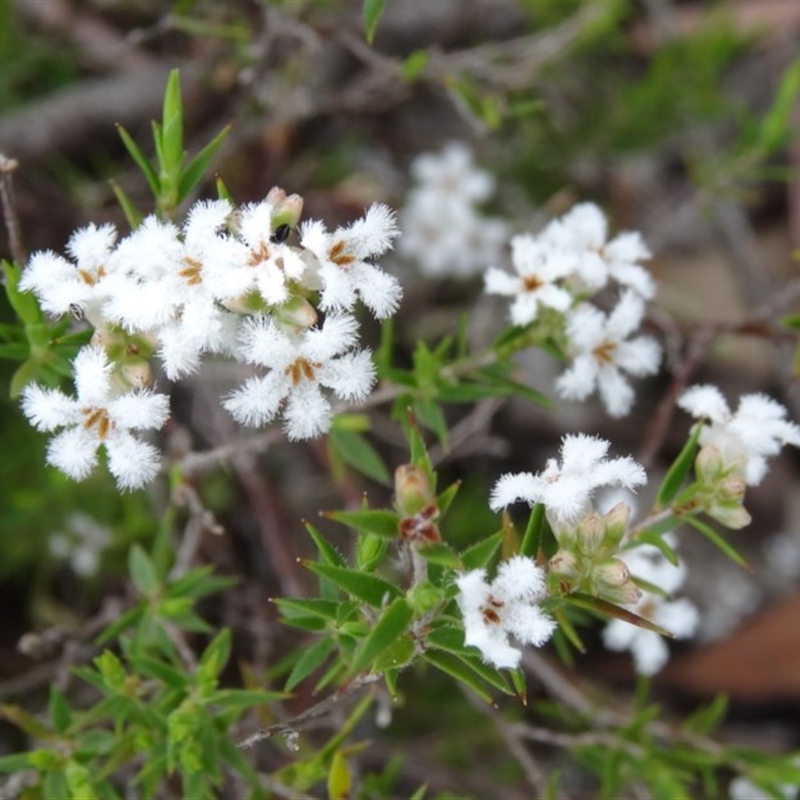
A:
x: 280, y: 234
x: 76, y: 310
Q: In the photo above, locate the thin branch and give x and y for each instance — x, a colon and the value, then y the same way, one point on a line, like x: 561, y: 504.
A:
x: 10, y: 216
x: 316, y: 711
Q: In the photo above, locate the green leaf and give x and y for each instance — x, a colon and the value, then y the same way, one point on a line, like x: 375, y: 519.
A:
x: 456, y: 668
x: 356, y: 451
x: 430, y: 414
x: 132, y: 214
x: 24, y: 303
x: 369, y: 589
x: 141, y: 161
x: 127, y: 620
x: 707, y: 718
x: 15, y: 763
x: 216, y: 655
x: 397, y: 655
x: 327, y: 609
x: 197, y: 167
x: 717, y: 540
x: 532, y: 538
x: 775, y: 127
x: 373, y: 9
x: 441, y: 553
x: 605, y: 608
x: 312, y: 658
x: 15, y: 351
x: 153, y: 668
x: 393, y: 623
x: 172, y: 125
x: 327, y: 552
x: 414, y: 64
x: 480, y: 554
x: 445, y: 499
x: 340, y: 779
x: 237, y: 699
x: 381, y: 523
x: 198, y: 583
x: 679, y: 469
x: 59, y: 710
x: 657, y: 540
x: 142, y: 571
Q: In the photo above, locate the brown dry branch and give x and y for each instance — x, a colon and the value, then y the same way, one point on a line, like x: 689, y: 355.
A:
x: 315, y: 712
x: 10, y: 216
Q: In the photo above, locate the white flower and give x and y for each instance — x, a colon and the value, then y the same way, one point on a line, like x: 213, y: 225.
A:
x: 566, y: 489
x: 581, y: 234
x: 602, y: 350
x: 298, y: 367
x: 173, y: 281
x: 534, y: 286
x: 452, y: 172
x: 82, y: 544
x: 63, y: 286
x: 98, y: 416
x: 341, y: 259
x: 443, y: 231
x: 679, y: 617
x: 268, y: 265
x: 506, y: 607
x: 756, y: 430
x: 445, y: 236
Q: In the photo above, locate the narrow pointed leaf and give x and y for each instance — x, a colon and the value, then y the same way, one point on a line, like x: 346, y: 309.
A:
x: 356, y: 451
x: 381, y: 523
x: 373, y: 9
x: 446, y: 498
x: 532, y: 538
x: 197, y: 167
x: 679, y: 469
x: 142, y: 571
x: 393, y: 623
x: 606, y: 608
x: 132, y: 214
x: 327, y: 552
x: 369, y: 589
x: 717, y: 540
x: 480, y: 554
x: 311, y: 659
x: 141, y: 161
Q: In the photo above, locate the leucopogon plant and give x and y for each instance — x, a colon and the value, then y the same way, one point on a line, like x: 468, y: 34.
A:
x: 257, y: 285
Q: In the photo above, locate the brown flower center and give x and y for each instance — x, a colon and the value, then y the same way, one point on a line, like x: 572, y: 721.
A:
x: 97, y: 417
x: 193, y: 271
x: 339, y: 256
x: 301, y: 368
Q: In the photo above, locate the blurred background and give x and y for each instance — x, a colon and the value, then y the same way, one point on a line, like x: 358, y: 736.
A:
x: 678, y: 118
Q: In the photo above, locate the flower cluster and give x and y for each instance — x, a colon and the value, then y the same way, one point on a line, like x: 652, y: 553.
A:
x: 556, y: 272
x: 443, y: 231
x: 592, y: 557
x: 227, y: 283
